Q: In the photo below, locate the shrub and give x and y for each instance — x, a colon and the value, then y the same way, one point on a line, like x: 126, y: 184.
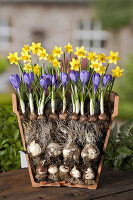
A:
x: 125, y: 90
x: 119, y: 152
x: 10, y: 141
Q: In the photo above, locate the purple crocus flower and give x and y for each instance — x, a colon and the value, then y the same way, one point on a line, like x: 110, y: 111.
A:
x: 96, y: 81
x: 107, y: 78
x: 56, y: 84
x: 48, y: 76
x: 44, y: 82
x: 15, y: 81
x: 28, y: 79
x: 53, y: 79
x: 74, y: 75
x: 64, y: 78
x: 84, y: 77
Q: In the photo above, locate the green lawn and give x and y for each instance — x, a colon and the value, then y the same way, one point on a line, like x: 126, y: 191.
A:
x: 5, y: 99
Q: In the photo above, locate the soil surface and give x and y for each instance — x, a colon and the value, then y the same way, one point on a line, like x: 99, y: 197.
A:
x: 72, y: 144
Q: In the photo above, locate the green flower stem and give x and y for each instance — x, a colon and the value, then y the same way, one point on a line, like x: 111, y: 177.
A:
x: 81, y: 65
x: 102, y: 103
x: 82, y: 103
x: 73, y: 102
x: 43, y: 69
x: 41, y: 106
x: 88, y: 65
x: 91, y: 106
x: 53, y: 100
x: 31, y: 103
x: 22, y: 104
x: 20, y: 67
x: 106, y: 68
x: 73, y: 99
x: 91, y: 74
x: 58, y: 73
x: 68, y: 63
x: 64, y: 100
x: 77, y: 100
x: 82, y: 107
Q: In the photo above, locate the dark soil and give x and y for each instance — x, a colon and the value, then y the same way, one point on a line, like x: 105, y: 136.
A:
x: 68, y: 134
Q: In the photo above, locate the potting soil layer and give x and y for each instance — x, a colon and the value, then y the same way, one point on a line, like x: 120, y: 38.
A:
x: 65, y: 150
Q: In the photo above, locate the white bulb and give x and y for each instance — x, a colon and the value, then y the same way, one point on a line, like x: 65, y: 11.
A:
x: 34, y: 148
x: 64, y: 169
x: 54, y: 149
x: 66, y: 152
x: 90, y: 151
x: 52, y: 169
x: 75, y: 173
x: 89, y: 174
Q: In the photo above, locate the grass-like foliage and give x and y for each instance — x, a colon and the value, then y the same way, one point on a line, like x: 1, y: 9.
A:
x: 119, y: 152
x: 10, y: 140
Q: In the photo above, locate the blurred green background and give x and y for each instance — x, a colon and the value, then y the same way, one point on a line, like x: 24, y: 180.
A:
x: 113, y: 15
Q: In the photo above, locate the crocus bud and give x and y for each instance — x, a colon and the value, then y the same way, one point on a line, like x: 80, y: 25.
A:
x: 64, y: 78
x: 15, y: 81
x: 74, y: 75
x: 56, y: 84
x: 96, y: 81
x: 106, y: 78
x: 53, y: 79
x: 28, y: 79
x: 84, y: 77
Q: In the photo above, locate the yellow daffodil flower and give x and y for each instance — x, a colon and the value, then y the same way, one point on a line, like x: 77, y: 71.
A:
x: 80, y: 52
x: 56, y: 63
x: 13, y: 57
x: 113, y: 57
x: 101, y: 57
x: 68, y: 48
x: 57, y: 51
x: 91, y: 56
x: 42, y: 54
x: 36, y: 70
x: 75, y: 64
x: 100, y: 70
x: 117, y: 72
x: 50, y: 58
x: 35, y: 48
x: 26, y: 57
x: 95, y: 64
x: 26, y: 48
x: 28, y: 67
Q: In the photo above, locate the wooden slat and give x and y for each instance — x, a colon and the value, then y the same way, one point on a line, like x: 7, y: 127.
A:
x: 16, y: 185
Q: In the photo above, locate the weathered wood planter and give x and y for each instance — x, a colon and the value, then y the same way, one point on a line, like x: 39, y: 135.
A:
x: 114, y: 100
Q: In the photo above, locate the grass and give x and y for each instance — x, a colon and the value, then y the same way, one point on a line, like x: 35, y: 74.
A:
x: 5, y: 99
